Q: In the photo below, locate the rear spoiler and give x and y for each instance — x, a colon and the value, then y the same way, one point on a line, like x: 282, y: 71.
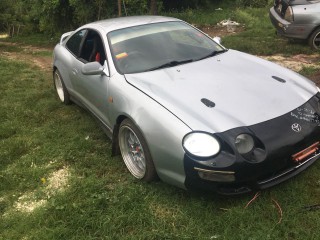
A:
x: 64, y: 36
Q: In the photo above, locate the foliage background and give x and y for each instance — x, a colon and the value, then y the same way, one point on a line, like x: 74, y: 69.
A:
x: 54, y: 17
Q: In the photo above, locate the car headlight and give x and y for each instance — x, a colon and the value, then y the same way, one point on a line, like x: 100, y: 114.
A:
x: 201, y: 144
x: 289, y: 14
x: 244, y: 143
x: 318, y: 89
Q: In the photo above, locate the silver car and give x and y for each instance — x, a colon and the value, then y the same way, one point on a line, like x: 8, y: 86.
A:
x: 180, y: 107
x: 299, y: 19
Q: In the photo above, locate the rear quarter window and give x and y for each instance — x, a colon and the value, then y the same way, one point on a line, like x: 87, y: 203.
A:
x: 73, y: 44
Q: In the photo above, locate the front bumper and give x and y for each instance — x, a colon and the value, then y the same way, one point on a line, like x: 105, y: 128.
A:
x: 288, y: 173
x: 287, y: 29
x: 271, y: 162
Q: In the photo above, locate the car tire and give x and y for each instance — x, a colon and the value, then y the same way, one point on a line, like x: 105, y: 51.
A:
x: 314, y: 39
x: 135, y: 152
x: 61, y: 89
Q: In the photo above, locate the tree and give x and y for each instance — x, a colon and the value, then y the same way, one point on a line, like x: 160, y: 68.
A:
x: 57, y: 16
x: 119, y: 8
x: 153, y: 7
x: 12, y: 16
x: 99, y: 4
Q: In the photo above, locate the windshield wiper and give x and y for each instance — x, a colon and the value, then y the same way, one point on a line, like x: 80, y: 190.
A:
x: 214, y: 53
x: 171, y: 64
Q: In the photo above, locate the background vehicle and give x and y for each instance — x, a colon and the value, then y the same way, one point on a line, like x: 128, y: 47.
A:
x: 299, y: 19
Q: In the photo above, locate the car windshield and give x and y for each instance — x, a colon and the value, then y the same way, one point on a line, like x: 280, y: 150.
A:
x: 159, y: 45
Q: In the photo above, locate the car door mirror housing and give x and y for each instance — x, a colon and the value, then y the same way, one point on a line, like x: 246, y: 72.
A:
x: 106, y: 69
x: 92, y: 68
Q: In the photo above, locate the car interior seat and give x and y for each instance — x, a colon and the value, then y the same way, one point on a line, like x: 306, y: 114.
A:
x: 94, y: 52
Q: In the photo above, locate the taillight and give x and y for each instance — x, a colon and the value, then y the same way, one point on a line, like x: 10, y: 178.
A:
x: 289, y: 14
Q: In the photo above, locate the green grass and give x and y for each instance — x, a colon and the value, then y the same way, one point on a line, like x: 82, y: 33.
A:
x: 309, y: 71
x: 99, y: 199
x: 9, y: 48
x: 203, y: 17
x: 57, y: 160
x: 41, y: 53
x: 19, y: 48
x: 38, y: 40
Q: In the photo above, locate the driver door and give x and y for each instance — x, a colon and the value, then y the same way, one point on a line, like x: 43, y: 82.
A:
x: 92, y: 90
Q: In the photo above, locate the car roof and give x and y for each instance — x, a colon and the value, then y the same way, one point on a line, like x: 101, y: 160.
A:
x: 111, y: 24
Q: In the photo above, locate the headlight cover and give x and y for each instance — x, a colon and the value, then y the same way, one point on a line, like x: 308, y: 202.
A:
x: 201, y: 144
x: 244, y: 143
x: 289, y: 14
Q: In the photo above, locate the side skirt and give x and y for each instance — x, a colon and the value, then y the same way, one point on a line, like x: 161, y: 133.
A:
x: 106, y: 129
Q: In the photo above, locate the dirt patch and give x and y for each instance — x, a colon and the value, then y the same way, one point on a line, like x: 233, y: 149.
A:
x: 29, y: 54
x: 221, y: 31
x: 40, y: 61
x: 27, y: 47
x: 56, y: 183
x: 297, y: 62
x: 316, y: 78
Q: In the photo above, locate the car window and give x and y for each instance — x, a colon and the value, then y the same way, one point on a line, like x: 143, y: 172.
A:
x: 159, y: 45
x: 189, y: 37
x: 93, y: 48
x: 73, y: 44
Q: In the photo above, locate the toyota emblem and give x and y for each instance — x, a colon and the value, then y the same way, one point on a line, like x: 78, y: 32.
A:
x: 296, y: 127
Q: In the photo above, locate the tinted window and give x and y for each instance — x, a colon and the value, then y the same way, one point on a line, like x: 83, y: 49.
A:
x: 74, y: 42
x: 153, y: 46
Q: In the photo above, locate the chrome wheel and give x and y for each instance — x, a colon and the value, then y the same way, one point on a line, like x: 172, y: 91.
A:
x: 314, y: 40
x: 59, y: 86
x: 132, y: 152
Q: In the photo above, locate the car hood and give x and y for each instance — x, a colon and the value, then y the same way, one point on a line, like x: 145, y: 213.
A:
x: 245, y: 90
x: 301, y: 2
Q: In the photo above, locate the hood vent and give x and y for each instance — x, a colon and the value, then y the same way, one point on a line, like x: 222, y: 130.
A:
x: 208, y: 103
x: 279, y: 79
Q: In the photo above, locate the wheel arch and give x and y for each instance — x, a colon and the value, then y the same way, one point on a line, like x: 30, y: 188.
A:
x: 115, y: 150
x: 316, y: 28
x: 54, y: 68
x: 313, y: 30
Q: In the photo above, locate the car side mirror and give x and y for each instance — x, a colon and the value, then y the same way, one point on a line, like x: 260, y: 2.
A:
x: 217, y: 40
x: 92, y: 68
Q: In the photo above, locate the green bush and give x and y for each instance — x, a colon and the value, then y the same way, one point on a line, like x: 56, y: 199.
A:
x: 170, y: 5
x: 136, y: 7
x: 253, y: 3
